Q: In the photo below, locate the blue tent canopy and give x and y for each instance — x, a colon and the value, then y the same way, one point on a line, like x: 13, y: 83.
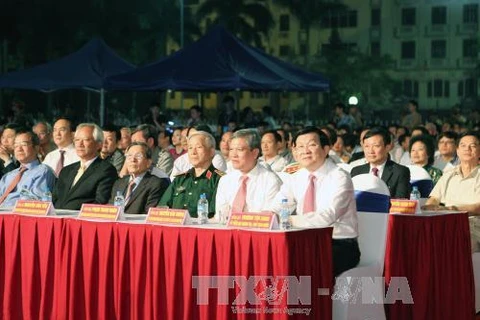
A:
x: 86, y: 68
x: 219, y: 62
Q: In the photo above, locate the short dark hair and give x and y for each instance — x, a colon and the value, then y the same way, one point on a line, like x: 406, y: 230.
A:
x: 33, y: 136
x: 285, y: 134
x: 148, y: 131
x: 73, y: 125
x: 322, y: 136
x: 427, y: 140
x: 340, y: 105
x: 276, y: 135
x: 379, y: 131
x: 449, y: 135
x: 474, y: 134
x: 332, y: 134
x: 403, y: 137
x: 12, y: 126
x: 421, y: 128
x: 197, y: 108
x: 113, y: 128
x: 414, y: 103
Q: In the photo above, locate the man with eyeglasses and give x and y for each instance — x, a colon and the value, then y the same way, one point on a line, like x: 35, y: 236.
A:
x: 321, y: 194
x: 459, y: 189
x: 141, y: 189
x: 446, y: 158
x: 89, y: 180
x: 33, y: 176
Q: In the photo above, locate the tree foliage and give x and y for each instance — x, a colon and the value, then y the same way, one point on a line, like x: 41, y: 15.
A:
x: 249, y: 20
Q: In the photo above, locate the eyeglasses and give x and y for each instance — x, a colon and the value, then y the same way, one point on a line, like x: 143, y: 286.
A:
x: 22, y: 144
x: 137, y: 156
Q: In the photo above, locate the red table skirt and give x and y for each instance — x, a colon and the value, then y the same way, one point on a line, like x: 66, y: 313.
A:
x: 56, y: 268
x: 434, y: 254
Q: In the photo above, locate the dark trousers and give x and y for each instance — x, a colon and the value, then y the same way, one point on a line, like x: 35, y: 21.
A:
x: 346, y: 255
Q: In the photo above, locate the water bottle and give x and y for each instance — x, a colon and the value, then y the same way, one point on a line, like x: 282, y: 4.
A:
x: 119, y: 200
x: 47, y: 196
x: 285, y: 216
x: 202, y: 209
x: 415, y: 194
x: 25, y: 193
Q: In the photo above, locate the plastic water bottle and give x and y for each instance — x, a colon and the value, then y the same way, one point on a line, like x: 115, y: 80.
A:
x: 47, y: 196
x: 415, y: 194
x: 119, y: 200
x: 285, y: 216
x: 202, y: 209
x: 25, y: 193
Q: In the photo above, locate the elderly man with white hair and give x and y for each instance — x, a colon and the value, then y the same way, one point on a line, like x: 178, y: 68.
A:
x: 91, y: 179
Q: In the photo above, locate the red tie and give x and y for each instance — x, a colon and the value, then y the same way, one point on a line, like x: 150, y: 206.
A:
x: 309, y: 200
x: 60, y: 163
x: 130, y: 187
x: 240, y: 200
x: 375, y: 172
x: 13, y: 184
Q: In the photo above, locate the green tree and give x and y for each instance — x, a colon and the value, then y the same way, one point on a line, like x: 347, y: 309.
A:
x: 355, y: 73
x: 249, y: 20
x: 310, y: 13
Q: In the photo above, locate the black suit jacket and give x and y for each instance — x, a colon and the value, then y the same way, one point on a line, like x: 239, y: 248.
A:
x: 397, y: 178
x: 94, y: 186
x: 146, y: 195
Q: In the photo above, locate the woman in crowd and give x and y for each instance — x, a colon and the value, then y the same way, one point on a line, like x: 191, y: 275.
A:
x: 176, y: 141
x: 422, y: 150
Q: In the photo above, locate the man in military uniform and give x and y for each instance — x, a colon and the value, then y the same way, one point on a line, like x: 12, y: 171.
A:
x: 187, y: 187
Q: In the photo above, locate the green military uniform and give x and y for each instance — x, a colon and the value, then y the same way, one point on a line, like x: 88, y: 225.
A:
x: 185, y: 190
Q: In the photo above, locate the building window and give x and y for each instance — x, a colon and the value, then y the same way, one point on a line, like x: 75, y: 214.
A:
x: 284, y: 22
x: 347, y: 19
x: 439, y: 15
x: 410, y: 88
x: 469, y: 48
x: 303, y: 49
x: 284, y: 51
x: 408, y: 16
x: 467, y: 88
x: 438, y: 88
x: 470, y: 13
x: 375, y: 49
x: 408, y: 50
x: 375, y: 18
x: 439, y: 49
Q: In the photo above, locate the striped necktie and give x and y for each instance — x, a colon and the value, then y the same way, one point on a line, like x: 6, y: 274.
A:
x: 13, y: 184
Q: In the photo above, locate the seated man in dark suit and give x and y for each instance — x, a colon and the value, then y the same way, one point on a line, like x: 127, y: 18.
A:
x: 140, y: 188
x: 7, y: 159
x: 91, y: 179
x: 397, y: 177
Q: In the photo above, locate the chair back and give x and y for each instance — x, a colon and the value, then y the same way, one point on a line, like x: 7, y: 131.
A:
x: 372, y: 238
x: 421, y: 179
x: 371, y: 193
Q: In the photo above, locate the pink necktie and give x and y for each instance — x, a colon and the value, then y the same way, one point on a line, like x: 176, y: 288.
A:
x: 13, y: 184
x: 240, y: 200
x: 375, y: 172
x: 309, y: 200
x: 60, y: 162
x: 130, y: 187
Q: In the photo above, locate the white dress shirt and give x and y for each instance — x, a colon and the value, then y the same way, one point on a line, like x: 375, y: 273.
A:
x: 53, y: 157
x: 262, y: 186
x: 182, y: 164
x: 276, y: 163
x: 380, y: 169
x: 334, y: 200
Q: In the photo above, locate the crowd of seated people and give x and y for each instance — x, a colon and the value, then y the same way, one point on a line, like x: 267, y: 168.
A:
x: 245, y: 168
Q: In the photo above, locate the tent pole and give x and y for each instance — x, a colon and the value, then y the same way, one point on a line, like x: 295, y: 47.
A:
x: 102, y: 107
